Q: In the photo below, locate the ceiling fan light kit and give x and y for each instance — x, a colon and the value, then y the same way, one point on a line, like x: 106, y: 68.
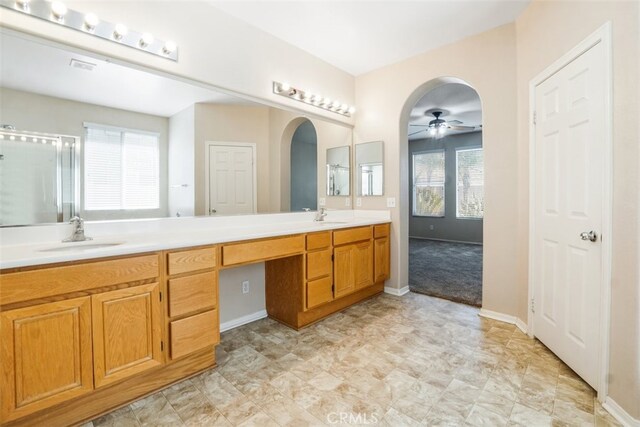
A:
x: 438, y: 127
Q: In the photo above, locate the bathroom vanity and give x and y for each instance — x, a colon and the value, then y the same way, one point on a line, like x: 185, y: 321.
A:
x: 82, y: 337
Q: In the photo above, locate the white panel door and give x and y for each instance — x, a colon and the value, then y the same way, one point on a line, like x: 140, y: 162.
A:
x: 231, y: 180
x: 568, y: 201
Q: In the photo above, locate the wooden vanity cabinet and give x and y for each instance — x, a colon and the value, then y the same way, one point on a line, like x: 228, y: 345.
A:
x: 381, y: 253
x: 352, y: 260
x: 319, y: 270
x: 192, y: 303
x: 46, y: 355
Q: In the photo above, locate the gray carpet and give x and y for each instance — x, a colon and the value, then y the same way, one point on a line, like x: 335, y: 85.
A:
x: 446, y: 270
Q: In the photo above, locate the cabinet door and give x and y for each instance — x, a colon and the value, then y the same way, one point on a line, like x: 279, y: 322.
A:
x: 46, y: 355
x: 381, y: 262
x: 363, y: 264
x: 126, y: 332
x: 343, y: 272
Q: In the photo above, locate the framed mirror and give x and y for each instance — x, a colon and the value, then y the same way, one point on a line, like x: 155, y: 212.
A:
x: 370, y: 168
x: 338, y: 171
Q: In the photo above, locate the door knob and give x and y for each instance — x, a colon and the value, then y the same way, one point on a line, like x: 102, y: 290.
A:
x: 589, y: 235
x: 213, y: 211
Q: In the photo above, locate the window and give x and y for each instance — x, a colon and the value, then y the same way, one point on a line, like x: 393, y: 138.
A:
x: 121, y: 169
x: 428, y: 184
x: 470, y: 183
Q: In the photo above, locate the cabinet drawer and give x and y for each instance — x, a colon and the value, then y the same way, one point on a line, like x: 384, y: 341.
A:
x: 319, y: 291
x: 261, y: 250
x: 318, y: 264
x: 193, y: 293
x: 381, y: 230
x: 194, y: 333
x: 350, y: 235
x: 318, y: 240
x: 191, y: 260
x: 46, y: 282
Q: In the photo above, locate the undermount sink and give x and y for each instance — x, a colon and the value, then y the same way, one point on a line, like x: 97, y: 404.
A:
x: 78, y: 247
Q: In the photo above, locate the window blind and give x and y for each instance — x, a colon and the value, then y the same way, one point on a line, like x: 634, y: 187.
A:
x: 428, y: 184
x: 470, y: 183
x: 121, y: 169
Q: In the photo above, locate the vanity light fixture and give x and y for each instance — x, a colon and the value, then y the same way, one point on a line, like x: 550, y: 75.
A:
x: 311, y: 98
x: 8, y: 132
x: 89, y: 23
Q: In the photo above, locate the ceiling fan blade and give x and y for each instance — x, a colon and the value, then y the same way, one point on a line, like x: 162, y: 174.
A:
x: 462, y: 127
x: 415, y: 133
x: 454, y: 122
x: 419, y: 125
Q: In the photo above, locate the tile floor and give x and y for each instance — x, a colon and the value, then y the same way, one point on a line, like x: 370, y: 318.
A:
x: 390, y: 361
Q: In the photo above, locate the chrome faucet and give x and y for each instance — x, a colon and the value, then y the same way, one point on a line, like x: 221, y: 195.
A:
x: 78, y: 231
x: 320, y: 215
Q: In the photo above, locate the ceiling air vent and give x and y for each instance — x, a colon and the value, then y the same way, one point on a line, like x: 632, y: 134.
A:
x: 82, y: 65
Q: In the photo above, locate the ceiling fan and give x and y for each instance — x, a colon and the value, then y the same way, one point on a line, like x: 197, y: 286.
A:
x: 437, y: 127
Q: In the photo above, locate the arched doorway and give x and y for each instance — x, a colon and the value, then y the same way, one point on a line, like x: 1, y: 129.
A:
x: 304, y: 165
x: 442, y: 193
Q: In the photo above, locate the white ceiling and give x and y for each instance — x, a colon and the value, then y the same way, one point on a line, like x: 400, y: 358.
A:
x: 456, y: 101
x: 360, y: 36
x: 39, y: 68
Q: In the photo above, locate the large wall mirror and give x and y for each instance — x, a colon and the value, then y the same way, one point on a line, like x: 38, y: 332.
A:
x: 370, y: 168
x: 84, y: 135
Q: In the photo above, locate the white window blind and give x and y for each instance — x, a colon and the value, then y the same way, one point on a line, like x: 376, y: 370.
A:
x: 470, y: 183
x: 121, y: 169
x: 428, y: 184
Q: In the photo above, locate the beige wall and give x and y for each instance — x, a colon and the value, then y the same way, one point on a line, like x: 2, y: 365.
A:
x: 232, y: 123
x: 558, y: 26
x: 33, y: 112
x: 486, y: 62
x: 499, y: 64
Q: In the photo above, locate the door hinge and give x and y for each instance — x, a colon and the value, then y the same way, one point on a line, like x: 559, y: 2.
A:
x: 161, y: 345
x: 533, y: 305
x: 535, y: 118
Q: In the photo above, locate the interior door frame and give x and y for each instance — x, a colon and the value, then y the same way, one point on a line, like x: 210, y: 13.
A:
x: 603, y: 36
x: 207, y: 171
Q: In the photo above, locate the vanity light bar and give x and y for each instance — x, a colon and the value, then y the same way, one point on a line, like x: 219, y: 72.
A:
x: 310, y: 98
x: 35, y: 138
x: 57, y: 12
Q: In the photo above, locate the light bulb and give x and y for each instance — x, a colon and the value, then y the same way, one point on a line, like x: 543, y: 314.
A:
x: 441, y: 130
x: 91, y: 21
x: 13, y: 138
x: 34, y: 139
x: 146, y: 39
x: 327, y: 102
x: 44, y: 141
x: 344, y: 108
x: 317, y: 99
x: 66, y: 144
x: 23, y: 4
x: 432, y: 131
x: 169, y: 47
x: 285, y: 87
x: 351, y: 110
x: 59, y: 10
x: 120, y: 31
x: 336, y: 104
x: 23, y: 138
x: 1, y: 136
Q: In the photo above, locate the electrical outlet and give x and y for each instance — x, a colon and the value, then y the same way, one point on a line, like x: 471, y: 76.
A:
x: 391, y: 202
x: 347, y: 202
x: 359, y: 201
x: 245, y: 287
x: 322, y: 201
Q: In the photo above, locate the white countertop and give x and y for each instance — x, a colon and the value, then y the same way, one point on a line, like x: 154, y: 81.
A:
x: 28, y: 246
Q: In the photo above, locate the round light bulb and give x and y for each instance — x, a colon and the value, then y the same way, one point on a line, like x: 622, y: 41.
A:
x: 327, y: 102
x: 13, y: 138
x: 23, y: 4
x: 146, y: 39
x: 351, y: 110
x: 336, y: 104
x: 120, y: 31
x: 23, y: 138
x: 285, y: 87
x: 34, y: 139
x: 44, y: 141
x: 432, y: 131
x: 169, y: 47
x: 1, y: 136
x: 59, y: 10
x: 91, y: 21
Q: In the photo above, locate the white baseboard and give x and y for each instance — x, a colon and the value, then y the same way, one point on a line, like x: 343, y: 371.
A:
x: 231, y: 324
x: 501, y: 317
x: 620, y: 414
x: 395, y: 291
